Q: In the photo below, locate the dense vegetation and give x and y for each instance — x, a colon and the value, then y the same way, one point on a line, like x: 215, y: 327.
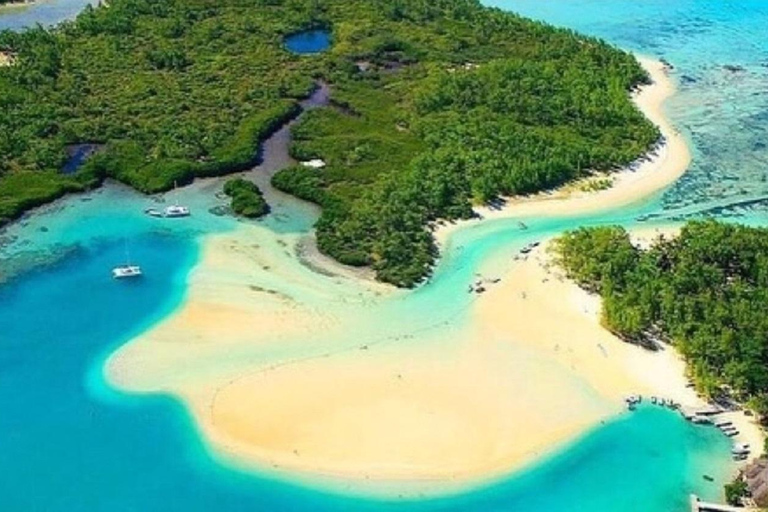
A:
x: 705, y: 291
x: 436, y: 104
x: 735, y: 491
x: 247, y: 199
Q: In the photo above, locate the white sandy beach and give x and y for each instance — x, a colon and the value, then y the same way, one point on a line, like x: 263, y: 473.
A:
x: 280, y: 374
x: 629, y: 186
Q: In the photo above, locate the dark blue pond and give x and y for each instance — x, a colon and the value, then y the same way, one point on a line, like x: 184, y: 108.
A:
x: 309, y: 41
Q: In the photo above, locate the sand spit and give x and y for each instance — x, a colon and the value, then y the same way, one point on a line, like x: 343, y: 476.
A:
x: 284, y: 369
x: 273, y: 389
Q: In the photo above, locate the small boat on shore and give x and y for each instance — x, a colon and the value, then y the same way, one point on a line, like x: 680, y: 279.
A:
x: 740, y: 449
x: 632, y: 401
x: 528, y: 248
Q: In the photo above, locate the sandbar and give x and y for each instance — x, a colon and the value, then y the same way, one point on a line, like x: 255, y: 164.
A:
x: 291, y: 373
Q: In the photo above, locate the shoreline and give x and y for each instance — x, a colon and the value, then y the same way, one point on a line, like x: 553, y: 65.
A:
x: 433, y: 416
x: 648, y: 175
x: 430, y: 417
x: 536, y: 290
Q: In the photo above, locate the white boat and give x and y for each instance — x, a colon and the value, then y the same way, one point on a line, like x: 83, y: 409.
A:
x: 740, y: 449
x: 176, y: 211
x: 126, y: 271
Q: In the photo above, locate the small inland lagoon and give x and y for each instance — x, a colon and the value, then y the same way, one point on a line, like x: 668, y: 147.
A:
x: 309, y: 41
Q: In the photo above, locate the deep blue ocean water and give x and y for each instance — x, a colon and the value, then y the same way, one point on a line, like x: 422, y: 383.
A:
x: 70, y: 443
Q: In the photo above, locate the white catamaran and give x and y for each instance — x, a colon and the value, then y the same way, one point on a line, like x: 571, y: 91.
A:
x: 127, y: 270
x: 176, y: 210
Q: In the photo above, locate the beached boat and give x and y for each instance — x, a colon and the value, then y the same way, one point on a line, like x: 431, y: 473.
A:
x: 740, y: 449
x: 632, y: 401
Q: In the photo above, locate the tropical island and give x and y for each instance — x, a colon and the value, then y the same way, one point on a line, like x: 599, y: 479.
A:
x: 435, y: 106
x: 703, y: 290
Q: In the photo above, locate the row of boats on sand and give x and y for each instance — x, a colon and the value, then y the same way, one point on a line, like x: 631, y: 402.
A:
x: 740, y: 451
x: 633, y: 401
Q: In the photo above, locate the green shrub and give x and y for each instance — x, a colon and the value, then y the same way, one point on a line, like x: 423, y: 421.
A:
x: 247, y: 199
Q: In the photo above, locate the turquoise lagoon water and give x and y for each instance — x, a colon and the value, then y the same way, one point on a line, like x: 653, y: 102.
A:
x: 45, y: 12
x: 68, y: 442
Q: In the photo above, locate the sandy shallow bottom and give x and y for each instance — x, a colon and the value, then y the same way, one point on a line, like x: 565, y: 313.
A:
x: 285, y: 371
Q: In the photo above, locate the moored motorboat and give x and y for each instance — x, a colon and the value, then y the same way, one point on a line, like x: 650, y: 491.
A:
x: 176, y: 211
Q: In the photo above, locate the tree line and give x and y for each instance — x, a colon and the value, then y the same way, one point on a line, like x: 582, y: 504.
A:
x: 436, y: 106
x: 704, y: 291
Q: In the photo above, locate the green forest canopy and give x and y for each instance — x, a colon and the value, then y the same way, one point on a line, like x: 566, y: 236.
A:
x: 705, y: 291
x: 247, y: 199
x: 436, y: 105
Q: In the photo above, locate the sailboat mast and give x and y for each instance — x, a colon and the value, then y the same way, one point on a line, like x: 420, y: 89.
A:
x: 127, y: 254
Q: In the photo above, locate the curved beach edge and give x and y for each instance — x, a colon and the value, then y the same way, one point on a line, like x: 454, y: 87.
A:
x: 649, y: 175
x: 535, y: 291
x: 294, y: 389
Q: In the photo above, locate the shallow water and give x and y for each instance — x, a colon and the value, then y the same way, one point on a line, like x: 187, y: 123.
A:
x: 720, y: 54
x: 69, y: 442
x: 45, y: 12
